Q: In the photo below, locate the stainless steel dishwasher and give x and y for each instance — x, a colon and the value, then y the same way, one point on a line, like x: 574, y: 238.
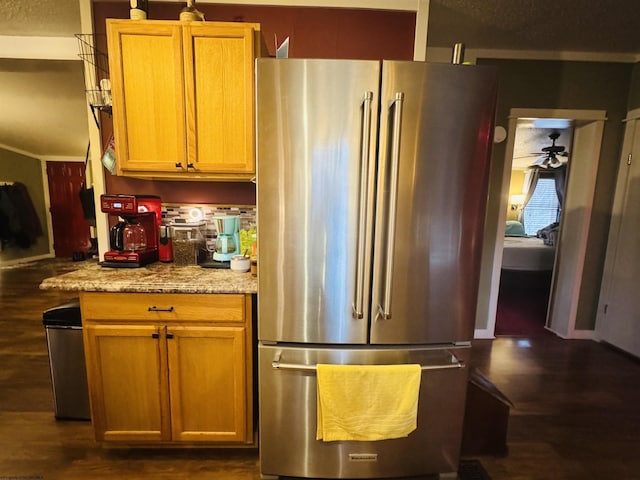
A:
x: 63, y: 328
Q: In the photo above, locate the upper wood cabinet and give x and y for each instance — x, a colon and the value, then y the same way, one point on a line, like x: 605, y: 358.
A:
x: 183, y: 98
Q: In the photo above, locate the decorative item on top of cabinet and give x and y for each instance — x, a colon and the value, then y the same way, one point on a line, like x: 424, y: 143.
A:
x: 182, y: 93
x: 139, y: 9
x: 190, y: 13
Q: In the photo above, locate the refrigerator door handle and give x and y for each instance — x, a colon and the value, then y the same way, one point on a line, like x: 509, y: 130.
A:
x: 384, y: 309
x: 278, y: 365
x: 357, y: 310
x: 298, y: 366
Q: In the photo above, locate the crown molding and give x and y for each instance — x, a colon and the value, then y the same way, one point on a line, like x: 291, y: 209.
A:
x: 39, y: 48
x: 20, y: 152
x: 442, y: 54
x: 42, y: 158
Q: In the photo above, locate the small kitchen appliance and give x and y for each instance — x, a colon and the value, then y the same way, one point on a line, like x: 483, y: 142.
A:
x: 134, y: 239
x: 228, y: 240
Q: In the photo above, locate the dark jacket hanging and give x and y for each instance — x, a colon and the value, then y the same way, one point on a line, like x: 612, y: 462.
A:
x: 20, y: 225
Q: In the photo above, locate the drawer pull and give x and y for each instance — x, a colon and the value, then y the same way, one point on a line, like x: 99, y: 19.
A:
x: 155, y: 335
x: 156, y: 309
x: 169, y: 335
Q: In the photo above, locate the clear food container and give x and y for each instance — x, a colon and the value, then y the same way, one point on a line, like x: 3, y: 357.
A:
x: 188, y: 240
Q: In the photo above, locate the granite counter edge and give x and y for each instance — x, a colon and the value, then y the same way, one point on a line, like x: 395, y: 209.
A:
x: 53, y: 284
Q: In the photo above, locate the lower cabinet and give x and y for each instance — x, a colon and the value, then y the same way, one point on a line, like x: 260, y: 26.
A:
x: 157, y: 373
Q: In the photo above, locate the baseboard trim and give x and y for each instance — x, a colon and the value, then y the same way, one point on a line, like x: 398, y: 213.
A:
x: 20, y: 261
x: 483, y: 333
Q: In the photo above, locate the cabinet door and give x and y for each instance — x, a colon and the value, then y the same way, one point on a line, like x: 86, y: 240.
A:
x: 147, y: 83
x: 219, y: 69
x: 126, y: 366
x: 207, y: 383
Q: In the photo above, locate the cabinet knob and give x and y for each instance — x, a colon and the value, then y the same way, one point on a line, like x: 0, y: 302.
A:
x: 178, y: 164
x: 190, y: 165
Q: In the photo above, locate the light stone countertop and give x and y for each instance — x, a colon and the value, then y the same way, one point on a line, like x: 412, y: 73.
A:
x: 153, y: 278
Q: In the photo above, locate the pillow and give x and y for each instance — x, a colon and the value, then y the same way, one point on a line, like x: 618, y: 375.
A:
x: 514, y: 229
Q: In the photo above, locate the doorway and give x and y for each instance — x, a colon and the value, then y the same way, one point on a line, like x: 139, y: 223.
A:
x: 569, y: 259
x: 71, y: 232
x: 537, y: 182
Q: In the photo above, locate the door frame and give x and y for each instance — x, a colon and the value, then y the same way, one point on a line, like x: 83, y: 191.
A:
x: 605, y: 331
x: 569, y: 267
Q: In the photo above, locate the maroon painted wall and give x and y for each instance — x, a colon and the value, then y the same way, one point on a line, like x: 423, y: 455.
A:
x: 313, y: 32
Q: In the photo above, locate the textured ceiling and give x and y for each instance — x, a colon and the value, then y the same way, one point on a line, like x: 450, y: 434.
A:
x: 44, y: 18
x: 43, y: 102
x: 569, y: 25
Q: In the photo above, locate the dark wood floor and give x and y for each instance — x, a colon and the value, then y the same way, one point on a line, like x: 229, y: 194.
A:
x: 576, y: 415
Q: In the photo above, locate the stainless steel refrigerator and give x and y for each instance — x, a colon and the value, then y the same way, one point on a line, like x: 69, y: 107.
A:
x: 371, y: 196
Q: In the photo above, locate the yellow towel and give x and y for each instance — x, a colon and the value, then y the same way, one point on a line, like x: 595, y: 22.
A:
x: 367, y: 402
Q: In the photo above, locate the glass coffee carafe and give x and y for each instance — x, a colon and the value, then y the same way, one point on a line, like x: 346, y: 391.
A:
x: 226, y: 244
x: 228, y: 241
x: 134, y: 237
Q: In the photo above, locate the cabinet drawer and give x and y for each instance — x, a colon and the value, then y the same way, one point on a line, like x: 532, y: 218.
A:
x: 163, y: 307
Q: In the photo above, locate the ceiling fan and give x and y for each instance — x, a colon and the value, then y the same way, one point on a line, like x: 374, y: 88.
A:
x: 550, y: 154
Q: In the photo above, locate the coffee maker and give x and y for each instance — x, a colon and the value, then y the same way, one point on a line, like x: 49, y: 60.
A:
x: 228, y: 240
x: 134, y: 239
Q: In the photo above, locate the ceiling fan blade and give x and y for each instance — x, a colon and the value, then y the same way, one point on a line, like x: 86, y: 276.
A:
x: 540, y: 162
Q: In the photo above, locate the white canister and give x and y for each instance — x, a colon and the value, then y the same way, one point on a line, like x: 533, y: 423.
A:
x: 137, y: 14
x: 138, y: 9
x: 240, y: 263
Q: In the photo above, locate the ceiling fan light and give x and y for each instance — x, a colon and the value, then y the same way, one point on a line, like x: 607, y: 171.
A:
x: 559, y: 123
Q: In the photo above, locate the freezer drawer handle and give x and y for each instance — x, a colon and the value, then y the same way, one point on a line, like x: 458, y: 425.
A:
x: 384, y: 309
x: 276, y: 364
x: 358, y: 305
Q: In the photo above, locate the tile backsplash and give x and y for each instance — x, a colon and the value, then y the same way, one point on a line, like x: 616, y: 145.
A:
x: 190, y: 213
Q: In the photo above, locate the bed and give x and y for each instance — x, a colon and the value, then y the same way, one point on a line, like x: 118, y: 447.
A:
x: 525, y: 253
